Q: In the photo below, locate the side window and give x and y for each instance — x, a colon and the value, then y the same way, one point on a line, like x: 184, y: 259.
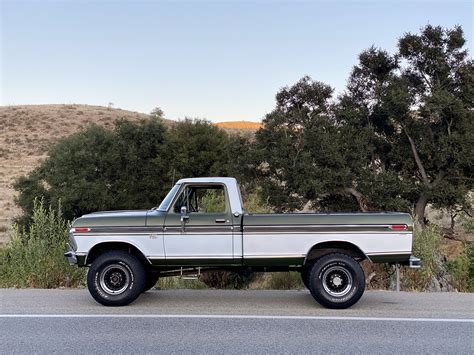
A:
x: 202, y: 199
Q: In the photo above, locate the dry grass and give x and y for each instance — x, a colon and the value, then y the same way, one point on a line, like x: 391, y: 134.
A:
x: 253, y: 126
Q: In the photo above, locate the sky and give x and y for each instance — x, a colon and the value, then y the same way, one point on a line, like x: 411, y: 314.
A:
x: 219, y: 60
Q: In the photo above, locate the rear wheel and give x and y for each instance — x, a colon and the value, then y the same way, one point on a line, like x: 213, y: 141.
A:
x: 336, y: 281
x: 116, y: 278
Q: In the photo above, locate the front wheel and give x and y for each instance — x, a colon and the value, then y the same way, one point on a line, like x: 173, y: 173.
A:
x: 305, y: 271
x: 116, y: 278
x: 151, y: 280
x: 336, y: 281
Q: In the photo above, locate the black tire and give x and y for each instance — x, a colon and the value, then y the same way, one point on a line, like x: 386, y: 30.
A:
x: 150, y: 280
x: 116, y: 278
x: 305, y: 271
x: 336, y: 281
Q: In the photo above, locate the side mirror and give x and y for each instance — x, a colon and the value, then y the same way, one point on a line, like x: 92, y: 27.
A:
x: 184, y: 217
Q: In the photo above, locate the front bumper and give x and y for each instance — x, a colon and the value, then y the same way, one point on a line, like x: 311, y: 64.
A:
x: 70, y: 254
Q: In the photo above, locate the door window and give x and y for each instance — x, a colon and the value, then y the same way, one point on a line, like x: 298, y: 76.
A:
x: 202, y: 199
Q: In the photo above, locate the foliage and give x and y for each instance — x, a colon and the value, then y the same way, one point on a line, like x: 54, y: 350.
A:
x: 426, y: 246
x: 197, y: 148
x: 36, y: 258
x: 401, y: 136
x: 157, y: 113
x: 461, y: 269
x: 179, y: 283
x: 285, y: 281
x: 130, y: 167
x: 254, y: 203
x: 227, y: 279
x: 468, y: 224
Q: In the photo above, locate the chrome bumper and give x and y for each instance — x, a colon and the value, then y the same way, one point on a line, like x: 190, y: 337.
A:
x: 414, y: 262
x: 70, y: 254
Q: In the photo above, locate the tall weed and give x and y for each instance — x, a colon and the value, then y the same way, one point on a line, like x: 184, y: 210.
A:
x: 35, y: 258
x: 426, y: 246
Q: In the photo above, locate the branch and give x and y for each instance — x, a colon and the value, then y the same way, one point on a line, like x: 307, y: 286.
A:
x: 424, y: 177
x: 361, y: 199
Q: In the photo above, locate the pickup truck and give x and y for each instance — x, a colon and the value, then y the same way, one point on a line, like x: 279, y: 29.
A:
x: 201, y: 225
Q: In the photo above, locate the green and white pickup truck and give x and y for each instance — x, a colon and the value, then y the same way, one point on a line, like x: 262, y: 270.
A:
x: 201, y: 225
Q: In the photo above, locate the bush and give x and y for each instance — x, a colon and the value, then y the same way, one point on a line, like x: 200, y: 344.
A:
x: 459, y: 269
x: 179, y: 283
x: 36, y: 258
x: 227, y: 279
x: 426, y: 246
x: 254, y: 203
x: 131, y: 166
x: 285, y: 281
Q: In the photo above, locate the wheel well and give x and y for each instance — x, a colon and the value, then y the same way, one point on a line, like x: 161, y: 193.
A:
x: 347, y: 248
x: 98, y: 249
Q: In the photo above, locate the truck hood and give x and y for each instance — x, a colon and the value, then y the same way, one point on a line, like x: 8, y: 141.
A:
x: 112, y: 219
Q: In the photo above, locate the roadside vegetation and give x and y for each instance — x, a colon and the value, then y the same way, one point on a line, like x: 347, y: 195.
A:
x: 400, y: 137
x: 35, y: 258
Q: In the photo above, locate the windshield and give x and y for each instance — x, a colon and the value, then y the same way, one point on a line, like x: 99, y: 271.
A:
x: 166, y: 202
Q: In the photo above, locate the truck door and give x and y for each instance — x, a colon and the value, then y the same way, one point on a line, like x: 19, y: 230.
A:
x: 198, y: 226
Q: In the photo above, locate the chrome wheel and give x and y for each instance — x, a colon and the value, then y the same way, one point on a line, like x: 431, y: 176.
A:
x: 114, y: 279
x: 337, y: 281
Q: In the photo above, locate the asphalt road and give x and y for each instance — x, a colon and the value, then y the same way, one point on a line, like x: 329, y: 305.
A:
x: 208, y: 321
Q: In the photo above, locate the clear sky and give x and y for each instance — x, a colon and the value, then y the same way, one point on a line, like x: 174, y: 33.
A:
x: 216, y: 60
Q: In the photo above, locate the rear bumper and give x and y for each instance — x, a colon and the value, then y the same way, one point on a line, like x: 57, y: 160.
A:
x: 400, y: 259
x: 414, y: 262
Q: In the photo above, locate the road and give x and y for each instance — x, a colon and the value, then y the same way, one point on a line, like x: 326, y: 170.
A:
x: 215, y: 321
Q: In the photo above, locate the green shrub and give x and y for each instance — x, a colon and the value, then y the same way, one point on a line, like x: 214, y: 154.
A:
x: 468, y: 224
x: 285, y: 281
x: 254, y: 203
x: 426, y: 246
x: 36, y: 258
x: 179, y: 283
x: 227, y: 279
x: 459, y: 269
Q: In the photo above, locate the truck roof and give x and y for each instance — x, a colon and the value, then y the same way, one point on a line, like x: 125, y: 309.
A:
x: 223, y: 180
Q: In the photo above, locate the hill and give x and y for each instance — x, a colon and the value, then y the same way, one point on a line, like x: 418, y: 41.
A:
x: 240, y: 125
x: 27, y: 131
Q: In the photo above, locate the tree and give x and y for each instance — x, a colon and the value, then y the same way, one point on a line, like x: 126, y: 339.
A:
x: 440, y: 126
x: 100, y: 169
x: 400, y: 136
x: 198, y: 149
x: 289, y: 170
x: 157, y: 113
x: 130, y: 167
x: 419, y: 105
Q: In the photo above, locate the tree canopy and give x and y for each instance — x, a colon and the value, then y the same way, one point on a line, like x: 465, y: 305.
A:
x: 399, y: 137
x: 132, y: 166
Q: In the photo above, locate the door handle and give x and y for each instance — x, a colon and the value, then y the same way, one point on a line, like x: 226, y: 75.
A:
x: 220, y: 220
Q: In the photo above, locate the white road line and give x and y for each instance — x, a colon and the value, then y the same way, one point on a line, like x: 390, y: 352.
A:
x: 237, y: 316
